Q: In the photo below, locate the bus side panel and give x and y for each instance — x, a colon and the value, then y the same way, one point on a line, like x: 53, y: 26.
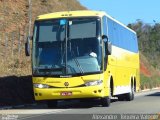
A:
x: 125, y: 54
x: 126, y: 67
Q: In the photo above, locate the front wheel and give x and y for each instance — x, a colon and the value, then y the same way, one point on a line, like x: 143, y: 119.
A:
x: 106, y: 101
x: 52, y: 103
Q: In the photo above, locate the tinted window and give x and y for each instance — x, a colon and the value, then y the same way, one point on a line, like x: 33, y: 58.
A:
x: 83, y: 28
x: 50, y: 31
x: 122, y: 37
x: 104, y: 25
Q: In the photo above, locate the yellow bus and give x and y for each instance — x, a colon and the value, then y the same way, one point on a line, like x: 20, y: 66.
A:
x: 83, y: 54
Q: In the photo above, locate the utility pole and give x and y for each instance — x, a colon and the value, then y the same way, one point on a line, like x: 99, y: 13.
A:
x: 68, y: 8
x: 30, y: 17
x: 27, y: 44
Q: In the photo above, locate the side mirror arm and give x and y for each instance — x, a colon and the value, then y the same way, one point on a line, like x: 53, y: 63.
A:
x: 109, y: 48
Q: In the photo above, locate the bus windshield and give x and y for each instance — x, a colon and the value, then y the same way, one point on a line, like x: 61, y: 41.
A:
x: 67, y: 47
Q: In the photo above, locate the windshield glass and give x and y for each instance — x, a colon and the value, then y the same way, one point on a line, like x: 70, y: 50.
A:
x: 66, y: 47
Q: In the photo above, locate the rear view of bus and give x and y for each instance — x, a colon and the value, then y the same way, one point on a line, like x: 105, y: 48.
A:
x: 70, y: 58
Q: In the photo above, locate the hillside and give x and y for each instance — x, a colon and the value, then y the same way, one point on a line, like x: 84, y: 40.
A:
x: 15, y: 67
x: 14, y: 13
x: 14, y: 30
x: 149, y: 46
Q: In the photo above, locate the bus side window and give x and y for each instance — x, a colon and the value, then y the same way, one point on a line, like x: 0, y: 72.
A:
x: 105, y: 25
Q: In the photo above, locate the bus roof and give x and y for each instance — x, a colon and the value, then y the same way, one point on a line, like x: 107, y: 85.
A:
x: 79, y: 13
x: 66, y: 14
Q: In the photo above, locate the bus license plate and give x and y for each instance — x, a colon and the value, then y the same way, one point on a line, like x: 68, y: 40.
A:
x: 66, y: 93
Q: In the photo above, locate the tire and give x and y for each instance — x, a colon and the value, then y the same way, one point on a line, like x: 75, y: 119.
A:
x: 121, y: 97
x: 130, y: 96
x: 106, y: 101
x: 52, y: 104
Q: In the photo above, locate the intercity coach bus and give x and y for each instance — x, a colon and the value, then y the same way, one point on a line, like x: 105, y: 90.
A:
x: 83, y: 55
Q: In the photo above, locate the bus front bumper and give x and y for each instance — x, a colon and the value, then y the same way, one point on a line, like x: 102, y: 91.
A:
x: 70, y: 93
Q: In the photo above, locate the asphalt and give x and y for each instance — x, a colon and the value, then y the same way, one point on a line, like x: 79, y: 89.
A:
x: 145, y: 103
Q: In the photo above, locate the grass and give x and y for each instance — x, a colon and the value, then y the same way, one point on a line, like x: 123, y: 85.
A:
x: 149, y: 82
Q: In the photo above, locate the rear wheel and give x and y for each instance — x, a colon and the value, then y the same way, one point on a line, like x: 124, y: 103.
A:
x: 130, y: 96
x: 121, y: 97
x: 52, y: 103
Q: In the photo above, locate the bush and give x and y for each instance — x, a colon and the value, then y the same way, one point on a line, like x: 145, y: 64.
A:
x: 149, y: 82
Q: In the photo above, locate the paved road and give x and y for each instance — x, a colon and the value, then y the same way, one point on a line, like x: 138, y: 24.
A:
x: 144, y: 103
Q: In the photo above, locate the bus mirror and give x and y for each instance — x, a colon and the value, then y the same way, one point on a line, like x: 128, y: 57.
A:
x: 105, y: 38
x: 107, y: 44
x: 109, y: 48
x: 27, y: 47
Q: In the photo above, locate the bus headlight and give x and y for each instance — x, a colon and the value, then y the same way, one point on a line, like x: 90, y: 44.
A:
x: 40, y: 86
x: 93, y: 83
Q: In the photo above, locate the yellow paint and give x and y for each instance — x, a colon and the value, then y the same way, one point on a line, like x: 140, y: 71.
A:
x: 67, y: 14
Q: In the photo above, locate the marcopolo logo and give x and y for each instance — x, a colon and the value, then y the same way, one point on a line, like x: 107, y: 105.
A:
x: 66, y: 84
